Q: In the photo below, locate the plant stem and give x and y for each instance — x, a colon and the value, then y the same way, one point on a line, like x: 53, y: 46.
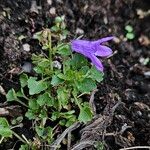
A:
x: 50, y: 50
x: 82, y: 94
x: 22, y: 103
x: 77, y: 102
x: 1, y: 140
x: 20, y: 138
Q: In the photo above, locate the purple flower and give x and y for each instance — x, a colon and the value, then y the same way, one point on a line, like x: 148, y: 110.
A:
x: 91, y: 49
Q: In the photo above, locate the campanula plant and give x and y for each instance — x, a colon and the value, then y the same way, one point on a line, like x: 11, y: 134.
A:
x: 53, y: 95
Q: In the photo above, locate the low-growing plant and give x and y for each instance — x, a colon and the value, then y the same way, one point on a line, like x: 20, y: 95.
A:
x: 130, y: 33
x: 53, y: 96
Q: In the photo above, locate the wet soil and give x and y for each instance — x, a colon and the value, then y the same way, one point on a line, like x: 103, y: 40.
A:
x: 127, y: 74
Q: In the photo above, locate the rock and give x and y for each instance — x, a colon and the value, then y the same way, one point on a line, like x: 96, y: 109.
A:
x: 79, y: 31
x: 26, y: 47
x: 52, y: 11
x: 27, y: 67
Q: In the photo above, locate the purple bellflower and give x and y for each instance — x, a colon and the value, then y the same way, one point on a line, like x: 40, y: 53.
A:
x: 91, y: 49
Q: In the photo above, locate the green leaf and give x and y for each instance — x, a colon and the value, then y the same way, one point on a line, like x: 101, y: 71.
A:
x: 95, y: 74
x: 64, y: 50
x: 44, y: 132
x: 55, y: 28
x: 20, y: 93
x: 99, y: 145
x: 130, y: 36
x: 56, y: 80
x: 55, y: 115
x: 11, y: 95
x: 62, y: 122
x: 45, y: 99
x: 17, y: 120
x: 38, y: 36
x: 23, y: 80
x: 5, y: 130
x: 33, y: 104
x: 129, y: 28
x: 38, y: 70
x: 71, y: 120
x: 58, y: 19
x: 35, y: 87
x: 87, y: 85
x: 30, y: 114
x: 40, y: 131
x: 61, y: 76
x: 85, y: 114
x: 24, y: 147
x: 63, y: 96
x: 43, y: 113
x: 84, y: 70
x: 3, y: 122
x: 44, y: 63
x: 78, y: 61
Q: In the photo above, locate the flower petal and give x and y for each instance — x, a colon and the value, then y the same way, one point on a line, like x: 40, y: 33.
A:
x: 105, y: 39
x: 96, y: 62
x: 103, y: 51
x: 82, y: 45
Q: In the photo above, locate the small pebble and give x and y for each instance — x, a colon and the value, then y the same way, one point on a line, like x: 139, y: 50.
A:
x: 79, y: 31
x: 57, y: 64
x: 52, y: 11
x: 147, y: 74
x: 34, y: 7
x: 116, y: 40
x: 49, y: 2
x: 139, y: 113
x: 26, y: 47
x: 27, y: 67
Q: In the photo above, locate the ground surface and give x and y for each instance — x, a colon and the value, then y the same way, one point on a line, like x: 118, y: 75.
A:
x: 126, y: 74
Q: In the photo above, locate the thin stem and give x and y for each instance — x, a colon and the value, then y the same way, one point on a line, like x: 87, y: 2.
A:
x: 77, y: 102
x: 82, y: 94
x: 24, y: 96
x: 20, y: 138
x: 22, y: 103
x: 45, y: 79
x: 64, y: 67
x: 1, y: 140
x: 18, y: 125
x: 136, y: 147
x: 50, y: 50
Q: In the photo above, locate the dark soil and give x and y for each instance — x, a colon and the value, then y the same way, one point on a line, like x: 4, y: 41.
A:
x: 126, y: 76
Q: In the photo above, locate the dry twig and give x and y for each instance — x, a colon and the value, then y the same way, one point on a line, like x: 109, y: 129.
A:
x: 136, y: 147
x: 56, y: 143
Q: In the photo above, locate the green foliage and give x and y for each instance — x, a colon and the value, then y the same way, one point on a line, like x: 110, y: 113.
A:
x: 35, y: 87
x: 17, y: 120
x: 85, y: 113
x: 86, y: 86
x: 130, y: 34
x: 129, y: 28
x: 5, y: 130
x: 45, y: 133
x: 23, y: 80
x: 99, y: 145
x: 52, y: 95
x: 63, y: 50
x: 11, y: 95
x: 24, y: 147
